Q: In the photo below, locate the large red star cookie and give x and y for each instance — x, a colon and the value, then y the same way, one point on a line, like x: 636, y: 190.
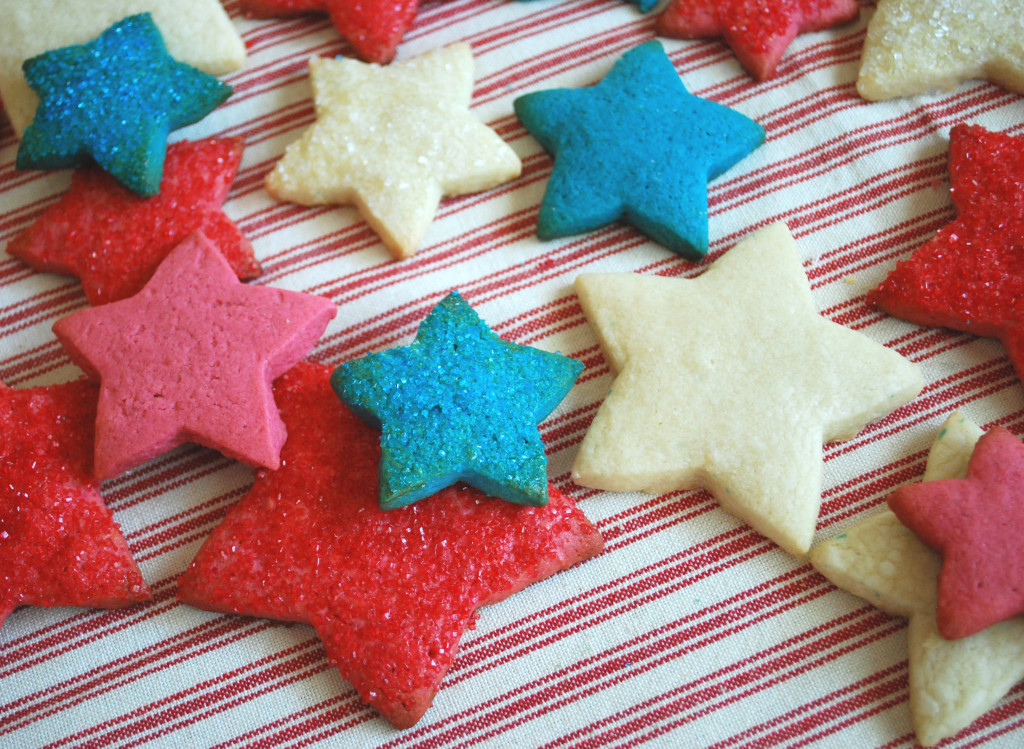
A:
x: 113, y: 240
x: 191, y: 357
x: 373, y: 27
x: 59, y: 544
x: 976, y: 523
x: 758, y: 31
x: 970, y: 276
x: 389, y: 592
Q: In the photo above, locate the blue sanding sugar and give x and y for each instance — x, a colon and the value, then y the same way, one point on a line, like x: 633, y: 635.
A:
x: 458, y: 404
x: 114, y: 99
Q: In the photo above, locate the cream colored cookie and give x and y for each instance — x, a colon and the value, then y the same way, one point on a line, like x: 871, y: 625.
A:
x: 393, y: 141
x: 732, y: 382
x: 916, y: 46
x: 952, y: 682
x: 196, y: 32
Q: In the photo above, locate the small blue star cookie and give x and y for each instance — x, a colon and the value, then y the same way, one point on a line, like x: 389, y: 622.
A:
x: 458, y: 404
x: 638, y: 147
x: 645, y: 5
x: 115, y: 99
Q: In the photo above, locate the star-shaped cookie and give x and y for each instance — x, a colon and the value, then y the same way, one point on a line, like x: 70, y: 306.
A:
x: 638, y: 147
x: 191, y: 357
x: 732, y: 382
x: 59, y: 544
x: 114, y: 99
x: 916, y: 46
x: 393, y: 141
x: 196, y: 32
x: 952, y: 682
x: 976, y: 523
x: 114, y: 240
x: 757, y: 31
x: 389, y: 593
x: 458, y: 404
x: 372, y: 27
x: 970, y: 276
x: 644, y: 5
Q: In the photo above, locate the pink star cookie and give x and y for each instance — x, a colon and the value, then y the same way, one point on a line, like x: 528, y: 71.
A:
x: 191, y: 357
x: 976, y: 523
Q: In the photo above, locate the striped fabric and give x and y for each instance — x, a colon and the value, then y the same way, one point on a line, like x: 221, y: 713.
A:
x: 690, y: 629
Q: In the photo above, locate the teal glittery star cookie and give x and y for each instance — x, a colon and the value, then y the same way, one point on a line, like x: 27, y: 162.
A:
x: 458, y: 404
x: 638, y: 147
x: 115, y: 99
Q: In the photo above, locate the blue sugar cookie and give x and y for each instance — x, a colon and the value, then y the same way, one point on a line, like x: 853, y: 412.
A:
x: 637, y: 147
x: 114, y: 99
x: 458, y: 404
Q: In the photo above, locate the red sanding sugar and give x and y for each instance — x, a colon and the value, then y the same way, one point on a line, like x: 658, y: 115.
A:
x: 373, y: 28
x: 113, y: 240
x: 758, y: 31
x: 389, y: 592
x: 59, y: 544
x: 970, y: 276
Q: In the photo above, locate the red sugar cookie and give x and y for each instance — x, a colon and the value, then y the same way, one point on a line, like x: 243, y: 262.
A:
x: 59, y: 544
x: 976, y: 523
x: 758, y: 31
x: 113, y: 240
x: 390, y: 593
x: 372, y: 27
x: 970, y: 276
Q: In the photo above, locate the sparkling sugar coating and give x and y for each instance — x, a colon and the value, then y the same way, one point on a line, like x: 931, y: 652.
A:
x: 970, y: 276
x: 732, y: 382
x: 458, y: 404
x: 114, y: 240
x: 389, y: 593
x: 393, y: 141
x: 952, y: 682
x: 916, y: 46
x: 114, y: 99
x: 196, y: 32
x: 191, y: 357
x: 59, y: 544
x: 644, y: 5
x: 638, y: 147
x: 758, y: 31
x: 373, y: 28
x: 976, y: 523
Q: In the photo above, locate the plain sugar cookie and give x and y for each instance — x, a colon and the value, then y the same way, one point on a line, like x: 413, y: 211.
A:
x: 732, y: 382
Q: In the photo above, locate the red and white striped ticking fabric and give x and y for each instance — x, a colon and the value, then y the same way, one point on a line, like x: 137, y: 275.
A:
x: 690, y: 630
